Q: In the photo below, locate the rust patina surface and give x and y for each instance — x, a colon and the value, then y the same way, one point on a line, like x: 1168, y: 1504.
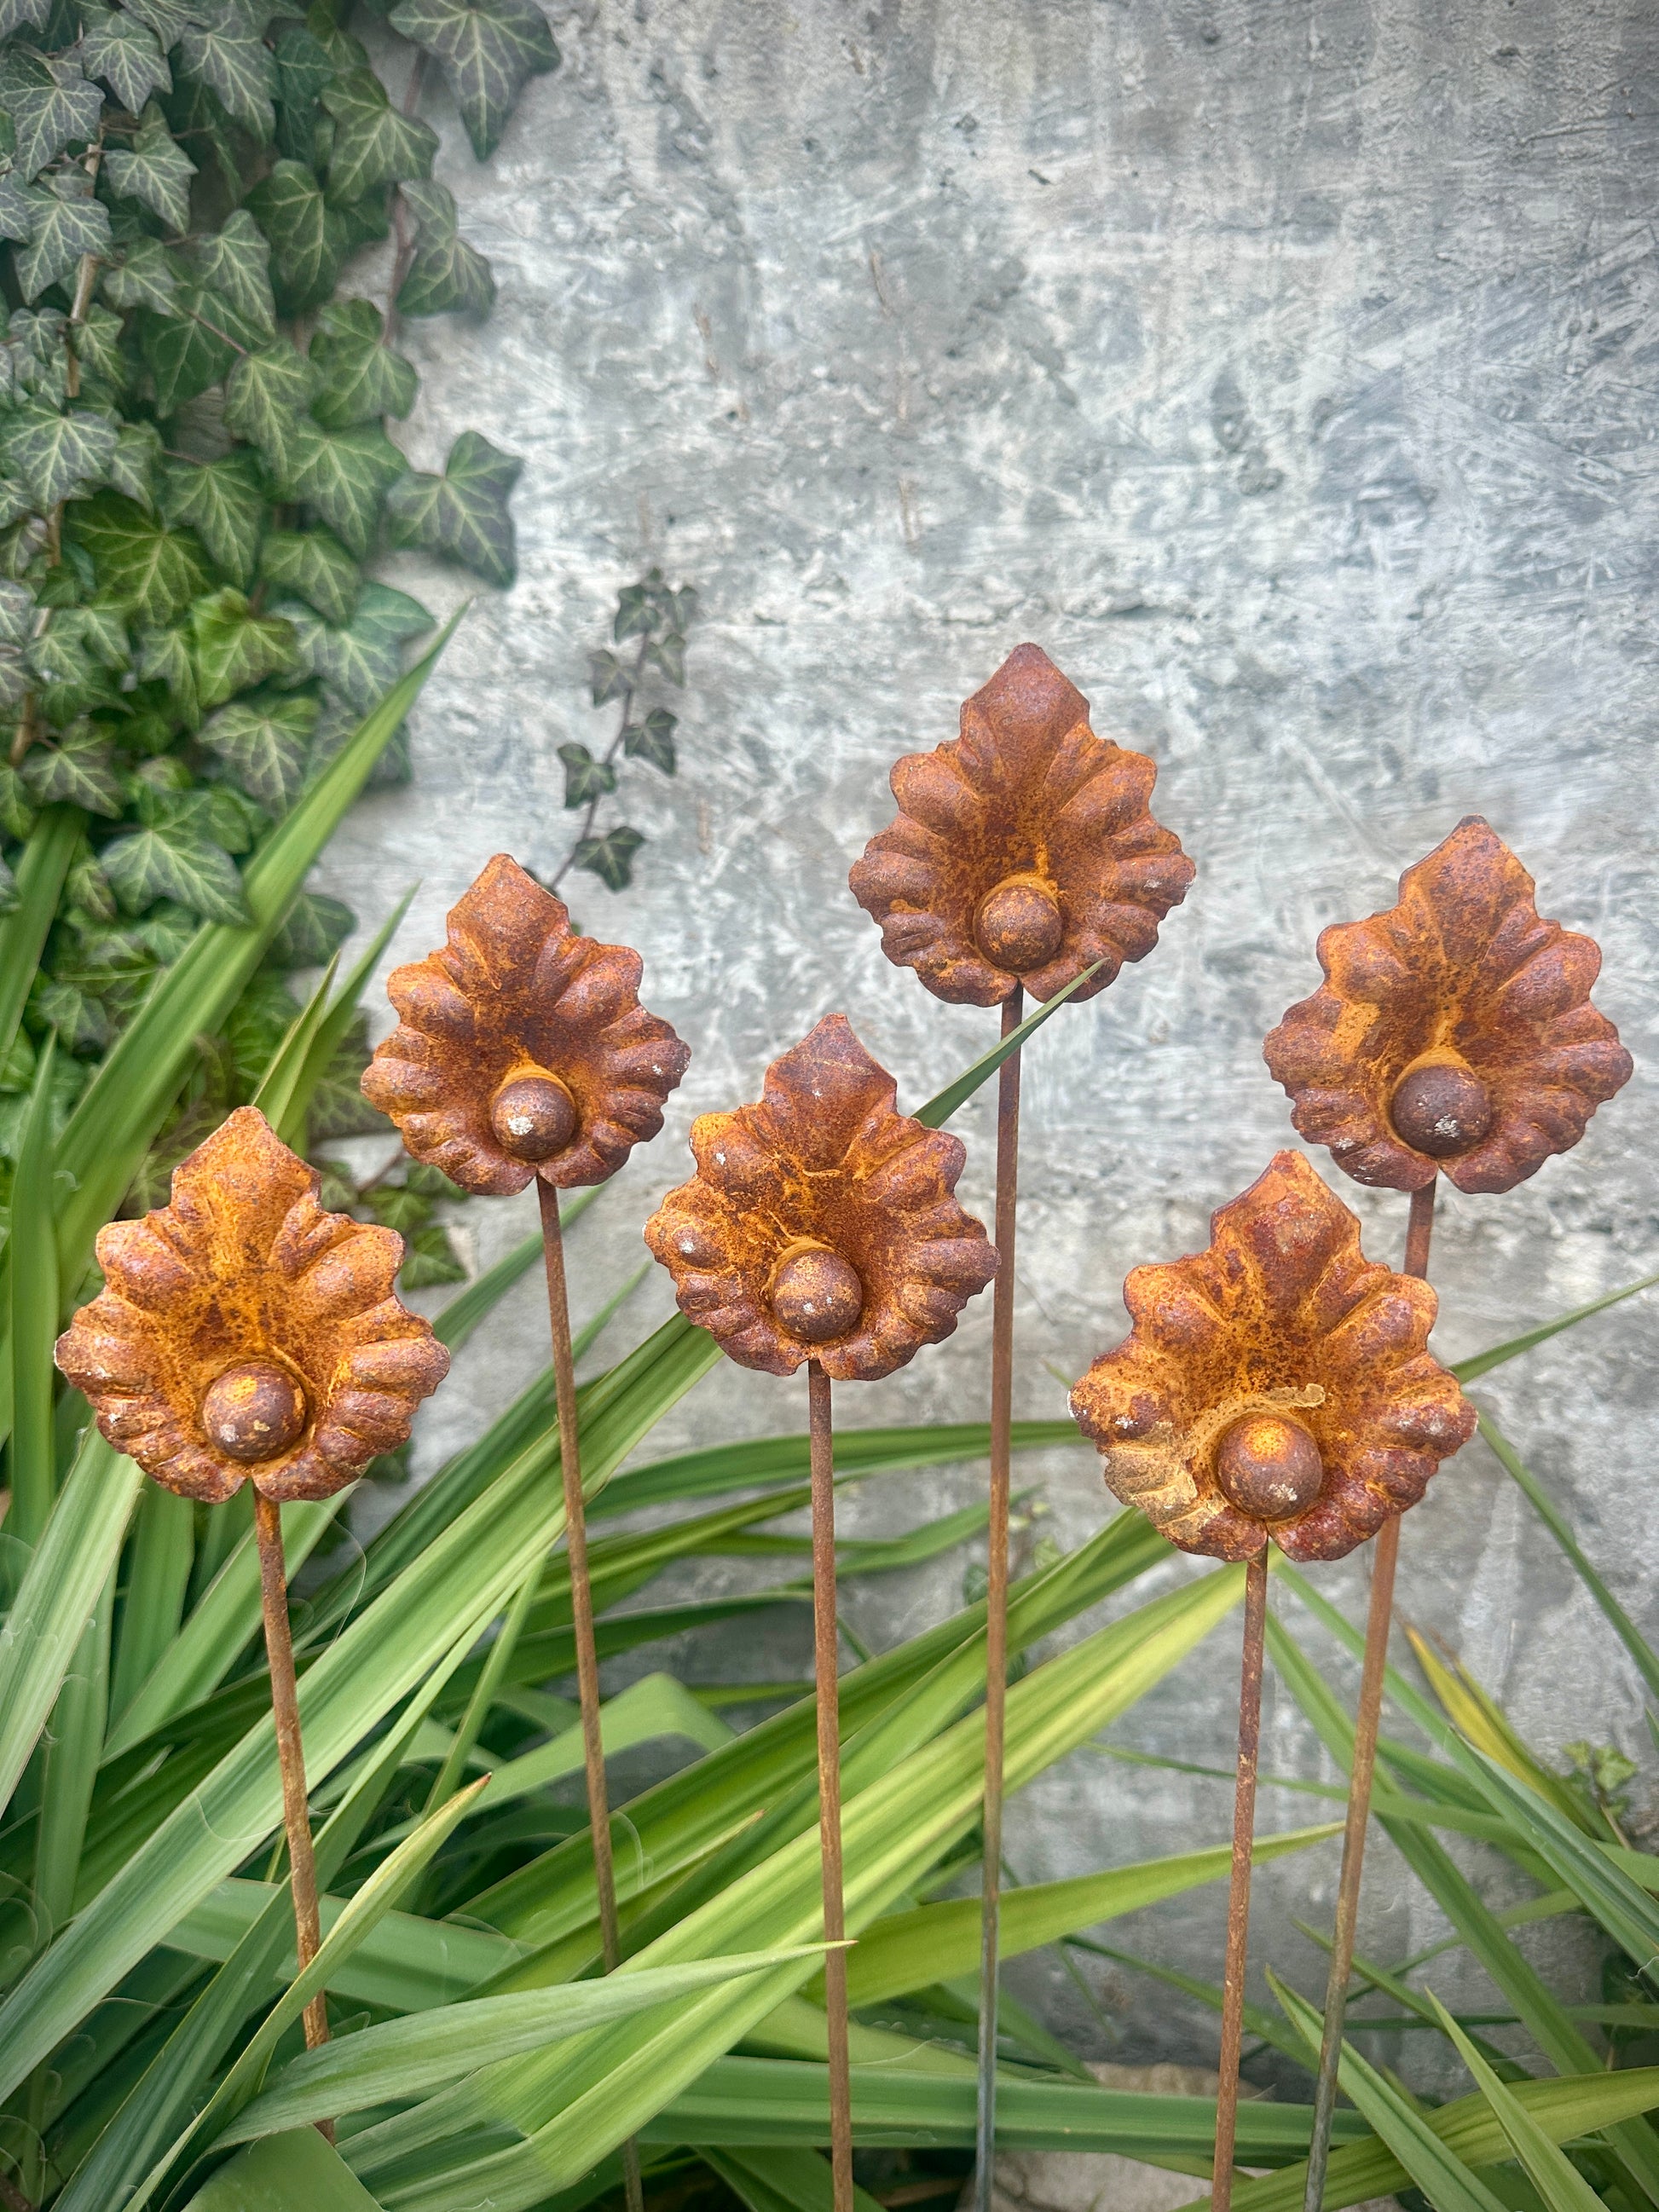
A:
x: 1453, y: 1033
x: 821, y: 1224
x: 522, y: 1050
x: 1277, y: 1383
x: 244, y: 1333
x: 1024, y: 849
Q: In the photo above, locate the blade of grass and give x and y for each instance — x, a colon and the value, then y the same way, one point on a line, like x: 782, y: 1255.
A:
x: 33, y: 1276
x: 456, y: 1323
x: 939, y: 1107
x: 163, y: 1551
x: 1471, y: 1370
x: 74, y: 1740
x: 1554, y: 2176
x: 39, y: 877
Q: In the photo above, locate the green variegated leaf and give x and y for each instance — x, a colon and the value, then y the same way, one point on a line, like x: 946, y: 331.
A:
x: 193, y: 345
x: 307, y: 237
x: 233, y: 648
x: 134, y: 463
x: 97, y: 341
x: 316, y: 927
x: 154, y: 170
x: 361, y: 379
x: 610, y: 858
x: 344, y: 475
x: 585, y: 778
x: 266, y: 396
x: 303, y: 67
x: 487, y: 49
x: 63, y: 110
x: 77, y: 772
x: 125, y: 54
x: 226, y: 54
x: 56, y: 457
x: 374, y: 144
x: 148, y: 571
x: 65, y: 228
x: 445, y: 273
x: 313, y: 564
x: 363, y: 659
x: 166, y: 18
x: 147, y: 276
x: 264, y: 741
x: 464, y: 513
x: 18, y: 14
x: 171, y: 862
x: 223, y: 501
x: 652, y: 740
x: 234, y: 261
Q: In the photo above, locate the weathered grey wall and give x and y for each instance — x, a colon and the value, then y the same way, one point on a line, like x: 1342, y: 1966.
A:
x: 1286, y: 371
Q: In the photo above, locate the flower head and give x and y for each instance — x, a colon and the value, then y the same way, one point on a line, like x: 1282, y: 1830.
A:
x: 1024, y: 851
x: 1453, y: 1033
x: 523, y: 1049
x: 244, y: 1333
x: 1276, y: 1384
x: 821, y: 1224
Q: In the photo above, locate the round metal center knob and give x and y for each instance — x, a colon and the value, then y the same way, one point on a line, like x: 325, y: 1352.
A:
x: 253, y: 1410
x: 817, y: 1296
x: 1441, y: 1109
x: 1269, y: 1466
x: 533, y: 1116
x: 1019, y: 926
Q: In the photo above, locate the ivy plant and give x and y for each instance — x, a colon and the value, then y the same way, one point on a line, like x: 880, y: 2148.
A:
x: 199, y: 467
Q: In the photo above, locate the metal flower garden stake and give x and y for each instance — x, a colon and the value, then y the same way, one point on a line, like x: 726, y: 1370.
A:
x: 1275, y: 1387
x: 1024, y: 856
x: 1453, y: 1034
x: 821, y: 1229
x: 245, y: 1334
x: 523, y: 1053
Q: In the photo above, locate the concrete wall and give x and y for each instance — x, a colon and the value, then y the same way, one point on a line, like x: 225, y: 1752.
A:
x: 1286, y: 371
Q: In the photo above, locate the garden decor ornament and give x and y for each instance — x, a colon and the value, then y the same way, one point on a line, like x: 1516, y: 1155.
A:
x: 1454, y: 1034
x: 245, y: 1334
x: 523, y: 1053
x: 821, y: 1230
x: 1025, y: 855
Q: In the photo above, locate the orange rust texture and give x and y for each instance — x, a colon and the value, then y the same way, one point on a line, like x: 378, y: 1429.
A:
x: 245, y: 1264
x: 1461, y: 973
x: 822, y: 1162
x: 1282, y: 1311
x: 516, y: 993
x: 1028, y: 794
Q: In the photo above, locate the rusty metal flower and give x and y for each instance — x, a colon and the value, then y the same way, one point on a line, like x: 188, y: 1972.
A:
x: 245, y: 1334
x: 821, y: 1224
x: 1276, y: 1384
x: 1453, y: 1033
x: 1023, y: 850
x: 523, y: 1049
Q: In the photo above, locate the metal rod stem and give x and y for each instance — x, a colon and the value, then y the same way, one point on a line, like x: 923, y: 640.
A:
x: 1384, y: 1559
x: 1239, y: 1892
x: 581, y: 1615
x: 290, y: 1757
x: 826, y: 1657
x: 996, y: 1598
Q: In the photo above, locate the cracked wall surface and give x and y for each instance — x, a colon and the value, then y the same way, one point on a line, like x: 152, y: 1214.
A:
x: 1288, y: 371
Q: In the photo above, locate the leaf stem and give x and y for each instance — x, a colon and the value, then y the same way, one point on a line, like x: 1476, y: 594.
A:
x: 630, y: 688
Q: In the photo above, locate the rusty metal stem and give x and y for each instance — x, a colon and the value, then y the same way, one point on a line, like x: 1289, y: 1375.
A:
x: 290, y: 1757
x: 826, y: 1657
x: 996, y: 1598
x: 1238, y: 1892
x: 581, y: 1615
x: 1384, y: 1559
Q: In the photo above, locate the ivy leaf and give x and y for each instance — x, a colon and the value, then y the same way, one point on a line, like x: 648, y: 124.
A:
x: 315, y: 564
x: 224, y: 502
x: 361, y: 661
x: 172, y: 862
x: 194, y: 347
x: 81, y: 1023
x: 62, y: 111
x: 97, y: 343
x: 67, y: 226
x: 445, y: 273
x: 17, y: 215
x: 585, y: 778
x: 156, y: 171
x: 652, y: 740
x: 16, y: 614
x: 428, y: 1258
x: 98, y: 629
x: 465, y: 512
x: 168, y: 19
x: 233, y: 648
x: 266, y: 396
x: 338, y: 722
x: 55, y: 456
x: 303, y: 67
x: 314, y: 929
x: 264, y: 741
x: 669, y: 654
x: 86, y: 888
x: 147, y: 276
x: 488, y: 48
x: 133, y: 463
x: 610, y: 858
x: 236, y: 261
x: 145, y: 569
x: 307, y: 237
x: 362, y: 379
x: 16, y: 15
x: 227, y: 55
x: 17, y: 815
x: 78, y: 771
x: 635, y: 616
x: 606, y: 678
x: 344, y: 475
x: 373, y: 145
x: 163, y: 657
x: 127, y: 57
